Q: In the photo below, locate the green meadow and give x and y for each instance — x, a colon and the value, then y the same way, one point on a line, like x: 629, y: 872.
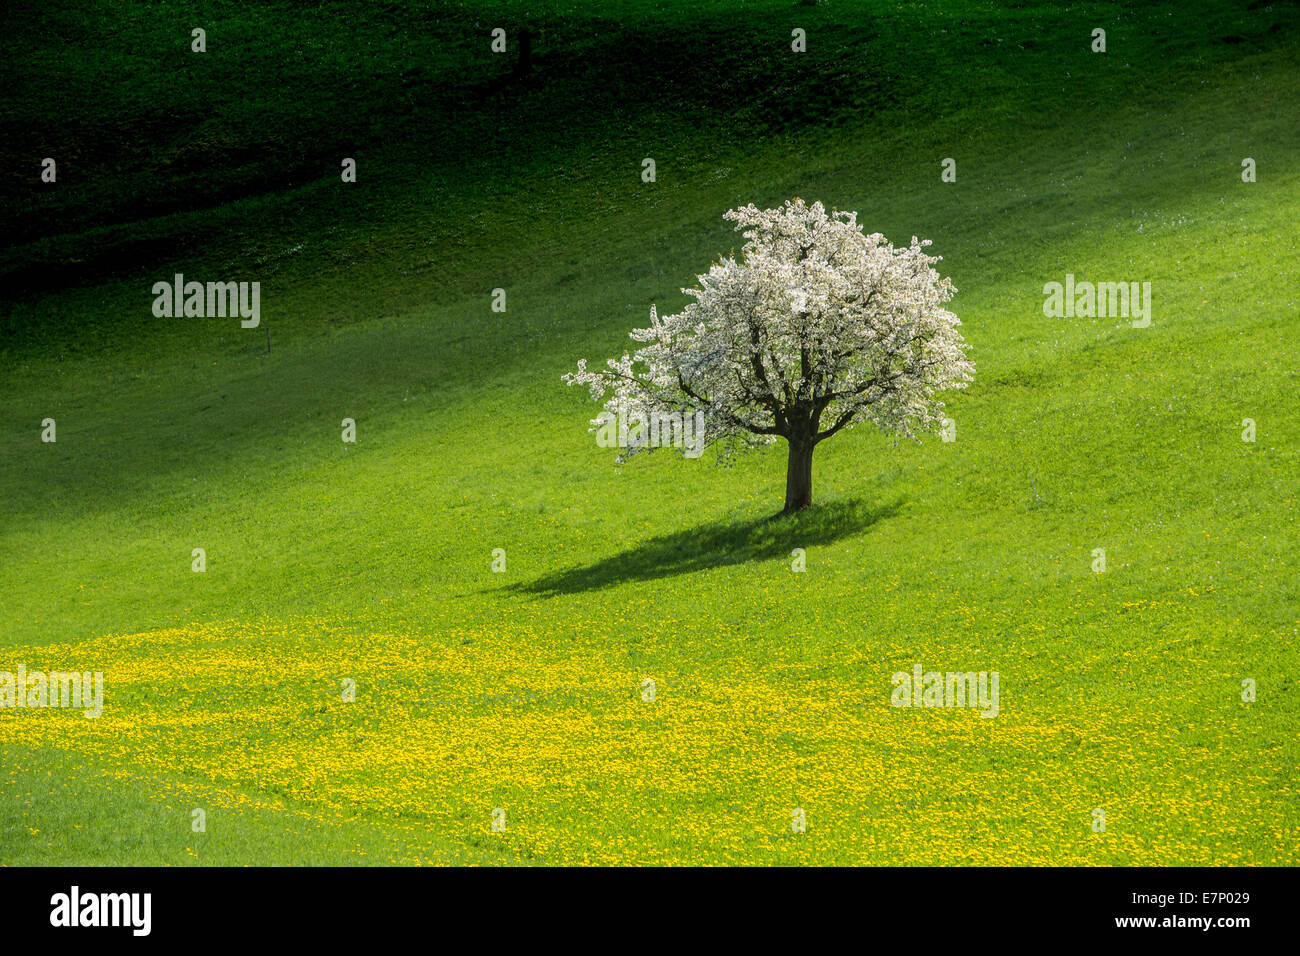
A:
x: 519, y: 694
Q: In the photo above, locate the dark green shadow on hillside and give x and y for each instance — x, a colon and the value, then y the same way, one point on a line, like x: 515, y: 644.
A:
x: 718, y: 544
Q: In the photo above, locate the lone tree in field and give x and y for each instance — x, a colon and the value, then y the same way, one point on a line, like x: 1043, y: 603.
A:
x: 818, y: 326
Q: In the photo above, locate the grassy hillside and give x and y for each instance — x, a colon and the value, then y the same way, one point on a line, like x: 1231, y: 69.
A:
x: 522, y: 690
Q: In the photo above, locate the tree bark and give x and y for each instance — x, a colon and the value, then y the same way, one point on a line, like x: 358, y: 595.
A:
x: 798, y: 475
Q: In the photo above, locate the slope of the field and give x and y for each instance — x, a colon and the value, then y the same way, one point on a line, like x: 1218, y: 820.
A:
x: 522, y: 690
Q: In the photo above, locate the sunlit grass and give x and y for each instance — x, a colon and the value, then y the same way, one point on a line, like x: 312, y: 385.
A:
x: 522, y: 690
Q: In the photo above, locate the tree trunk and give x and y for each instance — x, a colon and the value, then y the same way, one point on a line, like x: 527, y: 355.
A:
x: 798, y: 475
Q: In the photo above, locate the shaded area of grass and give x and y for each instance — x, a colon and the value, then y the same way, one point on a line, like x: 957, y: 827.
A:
x: 282, y: 93
x: 718, y: 544
x: 149, y: 168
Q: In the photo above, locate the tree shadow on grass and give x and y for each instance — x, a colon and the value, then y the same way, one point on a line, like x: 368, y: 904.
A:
x: 717, y: 544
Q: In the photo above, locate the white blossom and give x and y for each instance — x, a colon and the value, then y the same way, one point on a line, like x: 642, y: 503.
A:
x: 817, y: 327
